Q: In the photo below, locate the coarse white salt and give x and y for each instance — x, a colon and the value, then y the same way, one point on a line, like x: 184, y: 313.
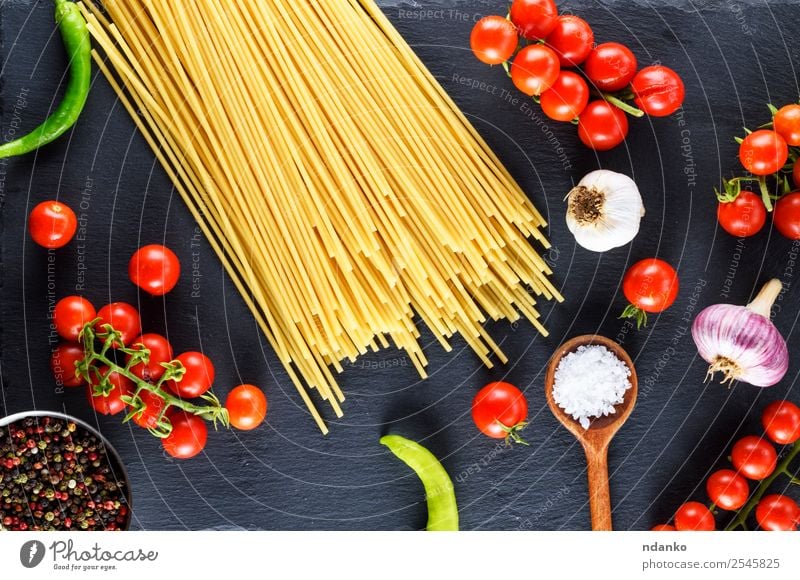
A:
x: 590, y: 382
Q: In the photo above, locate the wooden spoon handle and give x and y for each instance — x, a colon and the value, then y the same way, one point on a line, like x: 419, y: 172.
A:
x: 599, y: 493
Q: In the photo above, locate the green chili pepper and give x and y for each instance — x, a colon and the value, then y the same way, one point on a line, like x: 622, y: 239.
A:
x: 76, y: 40
x: 442, y: 508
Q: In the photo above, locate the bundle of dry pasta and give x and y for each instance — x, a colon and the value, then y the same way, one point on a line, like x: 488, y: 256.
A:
x: 340, y: 186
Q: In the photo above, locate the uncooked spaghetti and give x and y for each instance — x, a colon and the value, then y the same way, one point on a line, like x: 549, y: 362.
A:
x: 344, y: 192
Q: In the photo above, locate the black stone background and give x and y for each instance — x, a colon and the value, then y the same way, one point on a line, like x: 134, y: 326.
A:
x: 734, y: 56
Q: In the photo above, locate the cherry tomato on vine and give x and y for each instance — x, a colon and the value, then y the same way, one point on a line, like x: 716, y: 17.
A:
x: 651, y: 285
x: 70, y: 316
x: 781, y: 421
x: 763, y: 152
x: 52, y: 224
x: 658, y: 90
x: 155, y: 269
x: 247, y: 407
x: 534, y: 19
x: 744, y: 216
x: 754, y: 457
x: 499, y: 410
x: 160, y: 352
x: 796, y: 173
x: 727, y: 489
x: 778, y: 513
x: 571, y: 39
x: 188, y: 437
x: 602, y: 126
x: 663, y: 528
x: 62, y: 363
x: 493, y: 39
x: 123, y: 317
x: 787, y: 124
x: 566, y: 98
x: 534, y: 69
x: 610, y: 66
x: 694, y: 517
x: 786, y: 215
x: 154, y: 405
x: 112, y: 403
x: 198, y: 377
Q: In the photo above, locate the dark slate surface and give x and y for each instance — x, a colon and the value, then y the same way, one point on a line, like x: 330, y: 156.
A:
x: 734, y: 57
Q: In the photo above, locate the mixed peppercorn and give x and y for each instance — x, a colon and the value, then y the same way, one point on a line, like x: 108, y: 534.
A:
x: 56, y: 475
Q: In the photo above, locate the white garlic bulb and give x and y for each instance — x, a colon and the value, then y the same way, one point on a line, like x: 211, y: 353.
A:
x: 604, y: 210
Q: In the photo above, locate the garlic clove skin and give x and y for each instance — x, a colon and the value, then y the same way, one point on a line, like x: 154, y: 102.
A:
x: 604, y: 210
x: 742, y: 344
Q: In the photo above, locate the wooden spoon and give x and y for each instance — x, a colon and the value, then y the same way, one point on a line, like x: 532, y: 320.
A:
x: 596, y: 438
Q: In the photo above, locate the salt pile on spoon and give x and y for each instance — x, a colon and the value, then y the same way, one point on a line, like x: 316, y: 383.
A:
x: 590, y: 382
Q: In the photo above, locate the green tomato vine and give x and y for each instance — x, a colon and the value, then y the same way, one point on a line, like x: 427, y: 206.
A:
x: 92, y: 369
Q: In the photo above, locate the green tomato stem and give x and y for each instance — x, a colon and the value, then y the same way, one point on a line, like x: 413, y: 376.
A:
x: 512, y: 433
x: 637, y: 314
x: 765, y: 196
x: 173, y: 370
x: 620, y: 104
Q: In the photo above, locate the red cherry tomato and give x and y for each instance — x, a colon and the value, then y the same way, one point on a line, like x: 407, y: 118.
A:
x: 571, y: 39
x: 787, y: 124
x: 658, y: 90
x: 663, y: 528
x: 198, y: 377
x: 781, y: 421
x: 602, y: 126
x: 188, y: 437
x: 122, y: 317
x: 796, y: 173
x: 651, y: 285
x: 493, y: 39
x: 778, y: 513
x: 247, y: 407
x: 154, y: 406
x: 567, y: 98
x: 52, y: 224
x: 744, y: 216
x: 155, y: 269
x: 763, y: 152
x: 787, y: 215
x: 112, y: 403
x: 694, y: 517
x: 62, y: 363
x: 160, y: 352
x: 534, y: 19
x: 535, y: 69
x: 727, y: 489
x: 610, y: 66
x: 499, y: 410
x: 754, y: 457
x: 71, y: 314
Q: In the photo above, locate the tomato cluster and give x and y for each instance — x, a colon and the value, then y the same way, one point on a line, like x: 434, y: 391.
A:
x: 770, y: 155
x: 542, y: 45
x: 753, y: 458
x: 137, y: 373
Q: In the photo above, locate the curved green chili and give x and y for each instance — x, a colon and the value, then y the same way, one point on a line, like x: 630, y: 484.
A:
x: 76, y: 40
x: 442, y: 508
